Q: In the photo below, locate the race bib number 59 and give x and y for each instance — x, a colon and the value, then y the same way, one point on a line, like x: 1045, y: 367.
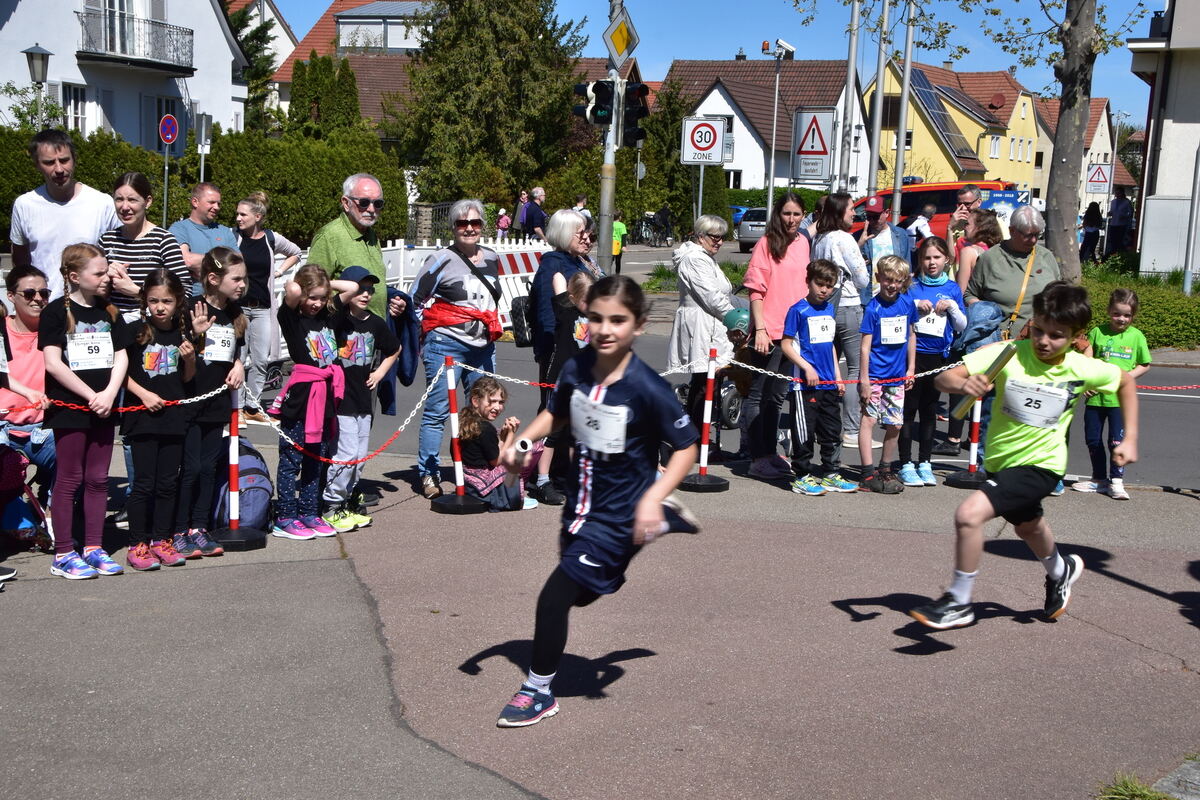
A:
x: 89, y: 351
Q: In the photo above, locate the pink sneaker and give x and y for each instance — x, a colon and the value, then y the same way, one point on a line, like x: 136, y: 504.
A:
x: 141, y: 558
x: 291, y: 529
x: 318, y: 526
x: 164, y: 550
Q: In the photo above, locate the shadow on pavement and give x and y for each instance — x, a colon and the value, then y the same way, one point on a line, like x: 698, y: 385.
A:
x: 576, y: 677
x: 923, y: 639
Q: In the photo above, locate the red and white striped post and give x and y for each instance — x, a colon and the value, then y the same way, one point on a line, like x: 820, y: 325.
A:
x: 972, y: 478
x: 459, y: 502
x: 976, y: 411
x: 701, y: 481
x: 234, y: 536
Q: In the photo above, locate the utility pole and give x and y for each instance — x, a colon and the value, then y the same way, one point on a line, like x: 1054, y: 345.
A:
x: 902, y: 124
x: 608, y: 170
x: 851, y: 98
x: 877, y: 101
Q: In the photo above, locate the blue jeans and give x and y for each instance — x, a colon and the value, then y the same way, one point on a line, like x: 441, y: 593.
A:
x: 37, y: 445
x: 437, y: 407
x: 1094, y: 419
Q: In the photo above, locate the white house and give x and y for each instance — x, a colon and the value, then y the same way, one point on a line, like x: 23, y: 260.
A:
x: 121, y: 65
x: 743, y: 92
x: 1169, y: 61
x: 285, y: 39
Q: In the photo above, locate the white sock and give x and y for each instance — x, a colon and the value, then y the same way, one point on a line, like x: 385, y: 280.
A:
x: 962, y: 585
x: 1054, y: 564
x: 539, y: 682
x: 542, y: 480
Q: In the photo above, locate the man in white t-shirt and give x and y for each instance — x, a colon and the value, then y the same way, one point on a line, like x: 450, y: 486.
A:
x: 58, y: 213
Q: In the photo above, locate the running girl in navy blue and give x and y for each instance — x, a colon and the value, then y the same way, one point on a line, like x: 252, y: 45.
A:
x: 161, y: 360
x: 219, y: 327
x: 619, y: 412
x: 83, y: 340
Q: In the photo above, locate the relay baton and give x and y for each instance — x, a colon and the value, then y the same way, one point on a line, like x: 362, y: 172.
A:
x: 1006, y: 353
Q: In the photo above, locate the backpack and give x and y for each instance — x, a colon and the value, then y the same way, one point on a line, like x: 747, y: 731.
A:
x: 255, y: 491
x: 521, y: 314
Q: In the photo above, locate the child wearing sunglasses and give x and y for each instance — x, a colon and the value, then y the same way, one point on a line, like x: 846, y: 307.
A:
x: 361, y: 335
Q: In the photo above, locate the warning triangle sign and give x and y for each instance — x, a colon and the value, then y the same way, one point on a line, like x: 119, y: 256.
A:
x: 1099, y: 174
x: 812, y: 143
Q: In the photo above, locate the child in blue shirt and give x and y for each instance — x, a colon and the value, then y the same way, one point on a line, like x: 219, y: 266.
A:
x: 889, y: 350
x: 808, y: 334
x: 939, y: 302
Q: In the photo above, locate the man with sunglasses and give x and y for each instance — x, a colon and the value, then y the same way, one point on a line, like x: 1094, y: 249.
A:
x: 350, y: 240
x: 28, y: 293
x: 969, y: 198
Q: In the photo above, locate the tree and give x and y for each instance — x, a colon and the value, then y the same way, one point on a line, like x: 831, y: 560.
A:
x: 1130, y: 153
x: 1066, y: 34
x: 256, y: 45
x: 25, y: 109
x: 324, y: 97
x: 490, y: 95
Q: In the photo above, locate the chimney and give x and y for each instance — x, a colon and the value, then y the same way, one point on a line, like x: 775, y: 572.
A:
x: 948, y: 65
x: 741, y: 55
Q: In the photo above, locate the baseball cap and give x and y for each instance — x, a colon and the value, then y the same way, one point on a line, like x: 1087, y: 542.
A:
x: 737, y: 319
x: 358, y: 274
x: 875, y: 204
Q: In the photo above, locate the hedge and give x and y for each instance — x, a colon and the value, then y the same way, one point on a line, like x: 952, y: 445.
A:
x: 757, y: 198
x: 303, y: 177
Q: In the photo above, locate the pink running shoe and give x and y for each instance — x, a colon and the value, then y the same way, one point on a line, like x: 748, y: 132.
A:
x: 140, y: 557
x: 164, y: 550
x: 318, y: 526
x: 291, y: 529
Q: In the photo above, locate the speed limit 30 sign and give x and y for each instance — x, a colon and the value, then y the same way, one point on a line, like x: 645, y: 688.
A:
x: 703, y: 141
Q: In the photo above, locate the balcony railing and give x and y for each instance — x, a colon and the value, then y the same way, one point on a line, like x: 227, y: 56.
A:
x: 116, y: 33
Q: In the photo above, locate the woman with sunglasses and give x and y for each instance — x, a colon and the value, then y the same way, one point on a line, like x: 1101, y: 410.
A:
x: 259, y: 247
x: 456, y: 293
x: 138, y: 247
x: 705, y: 296
x: 22, y: 430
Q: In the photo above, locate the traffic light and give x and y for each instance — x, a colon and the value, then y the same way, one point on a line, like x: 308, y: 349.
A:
x: 634, y: 110
x: 601, y: 96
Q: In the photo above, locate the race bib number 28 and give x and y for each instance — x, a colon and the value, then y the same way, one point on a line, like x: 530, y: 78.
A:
x: 598, y: 427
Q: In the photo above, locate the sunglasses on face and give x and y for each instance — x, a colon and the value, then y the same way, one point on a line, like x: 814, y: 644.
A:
x: 369, y: 289
x: 463, y: 224
x: 29, y: 294
x: 364, y: 203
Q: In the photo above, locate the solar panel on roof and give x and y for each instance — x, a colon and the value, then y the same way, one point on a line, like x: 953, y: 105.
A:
x: 967, y: 102
x: 941, y: 119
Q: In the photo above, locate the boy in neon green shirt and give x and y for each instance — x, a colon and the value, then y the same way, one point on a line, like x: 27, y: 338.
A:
x: 1036, y: 396
x: 619, y: 232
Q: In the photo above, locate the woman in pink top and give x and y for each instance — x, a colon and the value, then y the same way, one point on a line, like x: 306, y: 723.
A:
x: 777, y: 280
x: 22, y: 430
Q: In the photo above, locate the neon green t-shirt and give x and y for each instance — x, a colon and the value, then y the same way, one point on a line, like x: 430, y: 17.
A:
x: 1127, y: 349
x: 619, y: 231
x: 1035, y: 403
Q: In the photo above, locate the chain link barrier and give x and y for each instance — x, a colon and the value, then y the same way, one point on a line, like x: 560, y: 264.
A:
x: 119, y: 409
x: 681, y: 368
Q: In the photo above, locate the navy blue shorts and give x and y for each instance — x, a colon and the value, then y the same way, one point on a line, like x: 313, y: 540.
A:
x: 597, y: 556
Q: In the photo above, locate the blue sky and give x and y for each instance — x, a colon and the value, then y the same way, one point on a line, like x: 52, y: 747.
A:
x: 700, y: 29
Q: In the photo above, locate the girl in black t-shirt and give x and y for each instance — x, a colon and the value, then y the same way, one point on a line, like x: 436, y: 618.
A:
x: 161, y: 360
x: 219, y: 328
x: 83, y: 340
x: 482, y: 444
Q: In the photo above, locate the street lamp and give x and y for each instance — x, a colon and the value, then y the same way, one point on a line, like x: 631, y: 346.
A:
x: 39, y: 64
x: 782, y: 48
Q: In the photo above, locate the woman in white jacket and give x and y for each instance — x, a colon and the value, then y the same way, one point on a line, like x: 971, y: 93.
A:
x: 705, y: 296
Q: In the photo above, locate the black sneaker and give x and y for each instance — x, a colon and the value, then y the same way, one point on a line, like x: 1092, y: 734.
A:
x: 1058, y: 592
x: 946, y: 448
x: 944, y: 613
x: 892, y: 484
x: 121, y: 519
x: 365, y: 499
x: 7, y: 572
x: 527, y: 707
x: 680, y: 518
x: 546, y: 493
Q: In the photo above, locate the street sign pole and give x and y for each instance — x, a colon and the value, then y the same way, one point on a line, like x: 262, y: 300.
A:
x: 608, y: 175
x: 166, y: 177
x: 168, y: 132
x: 699, y: 197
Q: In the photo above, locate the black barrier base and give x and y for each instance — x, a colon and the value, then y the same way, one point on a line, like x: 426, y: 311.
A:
x: 703, y: 483
x: 963, y: 479
x: 454, y: 504
x: 240, y: 539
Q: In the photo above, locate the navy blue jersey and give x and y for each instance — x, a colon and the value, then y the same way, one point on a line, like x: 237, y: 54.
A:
x: 813, y: 329
x: 618, y: 430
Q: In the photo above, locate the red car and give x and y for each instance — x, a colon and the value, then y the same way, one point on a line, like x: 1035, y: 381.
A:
x: 914, y: 196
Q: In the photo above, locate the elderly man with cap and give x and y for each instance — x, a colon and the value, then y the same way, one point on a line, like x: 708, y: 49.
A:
x: 361, y: 336
x: 879, y: 237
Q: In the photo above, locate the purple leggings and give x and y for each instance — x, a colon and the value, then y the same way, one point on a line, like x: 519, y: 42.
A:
x: 84, y: 458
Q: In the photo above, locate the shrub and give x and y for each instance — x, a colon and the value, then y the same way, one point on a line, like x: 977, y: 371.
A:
x: 757, y: 198
x: 1168, y: 317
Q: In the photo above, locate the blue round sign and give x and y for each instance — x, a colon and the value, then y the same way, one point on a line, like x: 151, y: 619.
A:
x: 168, y: 129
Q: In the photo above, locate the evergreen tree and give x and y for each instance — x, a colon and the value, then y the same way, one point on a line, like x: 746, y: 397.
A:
x: 256, y: 45
x: 490, y: 100
x: 324, y: 97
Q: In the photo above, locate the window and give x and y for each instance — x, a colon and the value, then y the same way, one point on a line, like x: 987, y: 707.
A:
x: 75, y: 108
x: 1020, y: 149
x: 733, y: 179
x: 995, y: 151
x: 1037, y: 160
x: 1012, y: 149
x: 908, y: 136
x: 1029, y: 152
x: 1022, y: 109
x: 1035, y: 192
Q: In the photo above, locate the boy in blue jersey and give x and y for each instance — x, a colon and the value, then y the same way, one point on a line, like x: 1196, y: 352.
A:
x: 889, y: 352
x: 808, y: 333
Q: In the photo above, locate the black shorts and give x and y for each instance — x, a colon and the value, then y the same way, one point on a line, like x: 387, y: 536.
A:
x: 596, y: 557
x: 1016, y: 493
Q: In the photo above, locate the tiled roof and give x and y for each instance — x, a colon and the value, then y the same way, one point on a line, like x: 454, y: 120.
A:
x: 752, y: 82
x: 1121, y: 176
x: 1048, y: 109
x: 377, y: 75
x: 930, y: 101
x: 322, y: 38
x: 654, y: 86
x: 596, y: 69
x: 385, y: 8
x: 995, y: 93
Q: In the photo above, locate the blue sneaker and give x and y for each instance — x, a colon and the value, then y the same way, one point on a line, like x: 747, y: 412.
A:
x: 102, y: 562
x: 834, y: 482
x: 925, y: 473
x: 1058, y: 489
x: 908, y: 475
x: 72, y: 567
x: 527, y: 707
x: 808, y: 486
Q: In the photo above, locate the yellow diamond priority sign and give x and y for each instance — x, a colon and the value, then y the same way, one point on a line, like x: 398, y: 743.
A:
x: 621, y: 39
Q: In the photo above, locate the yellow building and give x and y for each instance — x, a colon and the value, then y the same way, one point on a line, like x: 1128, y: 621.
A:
x: 962, y: 126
